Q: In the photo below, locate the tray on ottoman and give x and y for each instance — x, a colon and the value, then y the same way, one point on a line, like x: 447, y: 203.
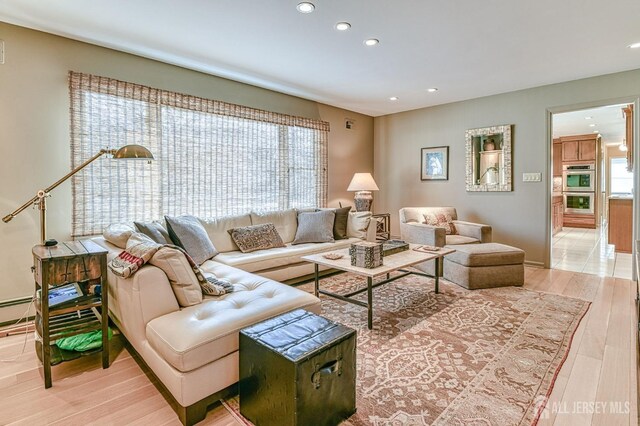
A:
x: 297, y: 369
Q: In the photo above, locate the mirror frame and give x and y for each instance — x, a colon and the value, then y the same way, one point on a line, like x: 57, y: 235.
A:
x: 471, y: 186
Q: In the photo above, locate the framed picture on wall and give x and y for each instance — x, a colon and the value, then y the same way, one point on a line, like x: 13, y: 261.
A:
x: 434, y: 163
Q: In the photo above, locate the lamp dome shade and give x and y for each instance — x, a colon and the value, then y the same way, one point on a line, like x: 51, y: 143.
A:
x: 133, y: 151
x: 362, y: 182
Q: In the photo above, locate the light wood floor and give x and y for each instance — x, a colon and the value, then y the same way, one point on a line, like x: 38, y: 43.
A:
x: 599, y: 376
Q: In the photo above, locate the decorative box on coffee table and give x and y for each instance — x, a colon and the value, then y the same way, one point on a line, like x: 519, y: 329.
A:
x: 297, y: 369
x: 366, y: 254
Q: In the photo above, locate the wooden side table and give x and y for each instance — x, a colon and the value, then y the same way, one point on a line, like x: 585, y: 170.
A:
x: 383, y: 226
x: 82, y: 264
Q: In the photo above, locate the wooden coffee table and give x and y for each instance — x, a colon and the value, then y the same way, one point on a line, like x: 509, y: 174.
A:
x: 392, y: 263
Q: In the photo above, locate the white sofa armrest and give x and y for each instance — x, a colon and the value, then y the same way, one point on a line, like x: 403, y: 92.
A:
x: 136, y: 300
x: 478, y: 231
x: 420, y: 233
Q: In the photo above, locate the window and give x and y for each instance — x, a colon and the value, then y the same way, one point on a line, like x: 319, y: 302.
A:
x: 621, y: 179
x: 212, y: 158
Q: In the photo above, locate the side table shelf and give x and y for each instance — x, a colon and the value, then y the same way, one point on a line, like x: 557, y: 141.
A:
x: 82, y: 264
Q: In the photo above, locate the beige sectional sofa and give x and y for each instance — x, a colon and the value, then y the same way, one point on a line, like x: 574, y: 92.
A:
x: 193, y: 351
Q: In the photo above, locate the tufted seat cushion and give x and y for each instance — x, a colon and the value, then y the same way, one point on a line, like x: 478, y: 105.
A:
x: 214, y: 324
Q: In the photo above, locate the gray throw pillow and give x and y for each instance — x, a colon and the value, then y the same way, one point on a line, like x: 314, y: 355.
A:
x: 315, y: 227
x: 155, y: 231
x: 256, y: 237
x: 187, y: 232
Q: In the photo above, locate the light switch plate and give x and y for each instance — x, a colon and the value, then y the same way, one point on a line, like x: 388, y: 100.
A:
x: 532, y: 177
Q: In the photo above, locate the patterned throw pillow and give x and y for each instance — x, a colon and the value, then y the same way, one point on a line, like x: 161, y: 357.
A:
x: 139, y: 250
x: 256, y: 237
x: 441, y: 220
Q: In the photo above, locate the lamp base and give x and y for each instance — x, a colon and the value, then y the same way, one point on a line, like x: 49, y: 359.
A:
x: 363, y: 201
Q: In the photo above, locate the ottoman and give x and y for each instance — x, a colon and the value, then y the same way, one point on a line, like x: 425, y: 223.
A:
x: 485, y: 265
x: 297, y: 369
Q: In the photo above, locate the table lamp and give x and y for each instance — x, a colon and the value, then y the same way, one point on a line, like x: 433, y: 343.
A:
x: 126, y: 152
x: 363, y: 184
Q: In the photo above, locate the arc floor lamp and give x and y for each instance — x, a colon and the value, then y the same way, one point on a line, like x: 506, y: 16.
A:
x: 126, y: 152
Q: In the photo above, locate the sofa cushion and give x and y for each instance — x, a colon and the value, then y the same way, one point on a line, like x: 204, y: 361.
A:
x: 460, y: 239
x: 118, y: 234
x: 285, y: 221
x: 277, y: 257
x: 155, y: 231
x: 187, y: 232
x: 357, y: 224
x: 214, y: 324
x: 256, y: 237
x: 218, y: 228
x: 315, y: 227
x: 184, y: 282
x: 488, y: 254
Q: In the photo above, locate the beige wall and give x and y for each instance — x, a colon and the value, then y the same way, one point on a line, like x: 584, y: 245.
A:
x: 520, y: 217
x: 34, y: 124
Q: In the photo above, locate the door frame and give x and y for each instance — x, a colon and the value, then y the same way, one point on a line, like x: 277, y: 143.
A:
x: 635, y: 100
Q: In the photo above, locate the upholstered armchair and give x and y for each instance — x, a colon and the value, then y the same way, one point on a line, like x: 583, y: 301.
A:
x: 444, y: 229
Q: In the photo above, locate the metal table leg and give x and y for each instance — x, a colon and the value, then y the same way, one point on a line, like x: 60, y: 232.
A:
x: 370, y: 302
x: 316, y: 277
x: 437, y: 274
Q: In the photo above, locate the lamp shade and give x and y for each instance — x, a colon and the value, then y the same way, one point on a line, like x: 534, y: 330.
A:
x: 362, y: 182
x: 133, y: 151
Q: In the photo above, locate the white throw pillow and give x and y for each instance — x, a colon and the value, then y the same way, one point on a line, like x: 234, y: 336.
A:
x: 118, y: 234
x: 183, y: 280
x: 357, y: 224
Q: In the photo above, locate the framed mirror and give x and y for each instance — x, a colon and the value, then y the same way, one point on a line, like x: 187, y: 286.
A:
x: 488, y: 157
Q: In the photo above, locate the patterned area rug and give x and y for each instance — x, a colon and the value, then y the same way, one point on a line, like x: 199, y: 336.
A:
x: 482, y: 357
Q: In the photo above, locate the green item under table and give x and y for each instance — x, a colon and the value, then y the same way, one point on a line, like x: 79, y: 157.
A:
x: 83, y: 342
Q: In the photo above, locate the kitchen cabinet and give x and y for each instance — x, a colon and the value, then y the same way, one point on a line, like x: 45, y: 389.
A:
x: 620, y: 223
x: 557, y: 216
x: 557, y: 158
x: 579, y: 147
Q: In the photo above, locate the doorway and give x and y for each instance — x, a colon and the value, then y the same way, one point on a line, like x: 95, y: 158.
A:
x: 592, y: 191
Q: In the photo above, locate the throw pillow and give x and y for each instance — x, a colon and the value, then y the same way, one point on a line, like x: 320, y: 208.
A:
x: 441, y: 220
x: 155, y: 231
x: 340, y: 224
x: 256, y: 237
x: 184, y: 283
x: 138, y: 251
x: 118, y: 234
x: 358, y: 224
x: 315, y: 227
x: 188, y: 233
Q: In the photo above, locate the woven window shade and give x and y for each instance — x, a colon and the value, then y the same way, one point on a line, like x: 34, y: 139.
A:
x: 212, y: 158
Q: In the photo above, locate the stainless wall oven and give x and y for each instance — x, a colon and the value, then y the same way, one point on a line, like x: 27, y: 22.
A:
x: 579, y: 202
x: 579, y: 177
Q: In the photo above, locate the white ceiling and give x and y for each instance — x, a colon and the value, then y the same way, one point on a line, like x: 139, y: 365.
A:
x: 466, y: 48
x: 608, y: 121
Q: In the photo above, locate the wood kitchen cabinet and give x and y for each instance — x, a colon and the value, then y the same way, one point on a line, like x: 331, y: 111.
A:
x: 558, y: 212
x: 557, y: 158
x: 579, y: 147
x: 620, y: 223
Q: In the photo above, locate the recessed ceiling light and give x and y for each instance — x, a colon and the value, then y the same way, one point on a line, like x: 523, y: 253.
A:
x: 393, y: 98
x: 371, y: 41
x: 305, y: 7
x: 634, y: 45
x: 343, y: 26
x: 596, y: 131
x: 588, y: 117
x: 592, y: 125
x: 432, y: 89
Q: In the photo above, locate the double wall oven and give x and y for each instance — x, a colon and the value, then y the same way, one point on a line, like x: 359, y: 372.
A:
x: 578, y: 188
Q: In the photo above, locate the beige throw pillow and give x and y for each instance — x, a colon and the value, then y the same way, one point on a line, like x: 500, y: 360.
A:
x: 441, y: 220
x: 118, y: 234
x: 183, y: 280
x: 357, y: 224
